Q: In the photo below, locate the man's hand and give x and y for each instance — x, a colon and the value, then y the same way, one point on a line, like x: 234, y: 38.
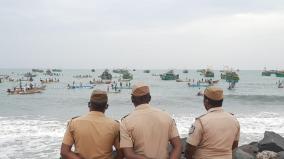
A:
x: 66, y: 152
x: 130, y: 154
x: 189, y: 151
x: 177, y: 148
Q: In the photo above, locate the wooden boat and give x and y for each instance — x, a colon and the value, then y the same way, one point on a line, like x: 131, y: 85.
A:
x: 180, y: 80
x: 21, y: 91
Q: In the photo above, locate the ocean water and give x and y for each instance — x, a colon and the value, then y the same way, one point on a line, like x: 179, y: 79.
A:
x: 32, y: 126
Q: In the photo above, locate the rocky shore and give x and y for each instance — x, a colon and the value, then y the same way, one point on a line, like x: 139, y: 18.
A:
x: 270, y: 147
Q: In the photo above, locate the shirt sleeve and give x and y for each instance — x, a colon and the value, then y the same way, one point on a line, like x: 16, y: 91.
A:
x: 68, y: 138
x: 173, y: 130
x: 125, y: 137
x: 117, y: 136
x: 237, y: 138
x: 195, y: 133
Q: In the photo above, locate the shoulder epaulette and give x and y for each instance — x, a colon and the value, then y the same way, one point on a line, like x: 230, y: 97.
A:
x: 124, y: 117
x: 75, y: 117
x: 200, y: 116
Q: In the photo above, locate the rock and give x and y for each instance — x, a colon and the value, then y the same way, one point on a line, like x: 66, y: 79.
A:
x: 271, y: 142
x: 240, y: 154
x: 267, y: 155
x: 251, y: 149
x: 281, y: 155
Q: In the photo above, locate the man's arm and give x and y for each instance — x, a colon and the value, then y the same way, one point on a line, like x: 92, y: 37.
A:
x: 130, y: 154
x: 177, y: 148
x: 235, y: 145
x: 189, y: 151
x: 66, y: 152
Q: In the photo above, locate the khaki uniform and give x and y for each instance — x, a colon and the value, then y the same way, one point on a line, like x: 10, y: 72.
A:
x: 93, y: 135
x: 148, y: 131
x: 214, y: 134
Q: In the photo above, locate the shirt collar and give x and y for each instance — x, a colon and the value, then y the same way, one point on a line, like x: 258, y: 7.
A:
x: 215, y: 109
x: 97, y: 113
x: 142, y: 106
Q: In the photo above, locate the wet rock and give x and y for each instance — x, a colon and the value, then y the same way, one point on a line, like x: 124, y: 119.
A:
x: 240, y: 154
x: 251, y: 149
x: 267, y: 155
x: 281, y: 155
x: 271, y: 142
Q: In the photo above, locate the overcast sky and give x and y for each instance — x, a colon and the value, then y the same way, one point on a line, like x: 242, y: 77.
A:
x: 161, y: 34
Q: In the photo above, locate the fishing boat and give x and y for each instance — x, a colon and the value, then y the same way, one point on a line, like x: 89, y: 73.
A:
x: 80, y: 86
x: 100, y: 82
x: 185, y: 71
x: 279, y: 74
x: 266, y: 73
x: 146, y: 71
x: 48, y: 72
x: 198, y: 85
x: 169, y: 75
x: 29, y: 74
x: 209, y: 73
x: 37, y: 70
x: 127, y: 76
x: 24, y: 91
x: 56, y: 70
x: 82, y: 76
x: 106, y: 75
x: 93, y: 70
x: 180, y: 80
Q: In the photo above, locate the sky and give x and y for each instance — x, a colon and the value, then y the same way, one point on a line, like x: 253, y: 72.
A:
x: 142, y: 34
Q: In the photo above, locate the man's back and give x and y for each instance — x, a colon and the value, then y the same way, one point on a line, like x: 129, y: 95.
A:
x: 150, y: 130
x: 215, y: 134
x: 93, y: 135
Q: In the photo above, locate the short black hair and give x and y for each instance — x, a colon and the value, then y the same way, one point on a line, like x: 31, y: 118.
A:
x: 98, y: 106
x: 141, y: 99
x: 214, y: 103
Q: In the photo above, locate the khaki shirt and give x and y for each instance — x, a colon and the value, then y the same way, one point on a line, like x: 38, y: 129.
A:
x: 93, y: 135
x: 148, y: 131
x: 214, y: 134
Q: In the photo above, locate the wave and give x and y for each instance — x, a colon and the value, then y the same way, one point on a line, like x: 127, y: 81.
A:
x: 275, y: 99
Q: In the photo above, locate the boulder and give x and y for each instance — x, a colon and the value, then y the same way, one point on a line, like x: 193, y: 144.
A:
x: 271, y: 142
x: 281, y: 155
x: 267, y: 155
x: 251, y: 149
x: 240, y: 154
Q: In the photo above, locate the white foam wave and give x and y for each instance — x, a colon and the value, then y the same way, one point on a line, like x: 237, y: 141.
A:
x: 22, y: 138
x: 252, y: 126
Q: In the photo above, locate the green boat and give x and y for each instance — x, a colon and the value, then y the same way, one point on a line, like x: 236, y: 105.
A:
x: 127, y: 76
x: 169, y: 76
x: 232, y: 77
x: 209, y: 73
x: 106, y: 75
x: 279, y: 74
x: 56, y: 70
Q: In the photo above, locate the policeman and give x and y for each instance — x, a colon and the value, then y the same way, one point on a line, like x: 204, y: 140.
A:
x: 147, y: 131
x: 215, y: 134
x: 94, y: 134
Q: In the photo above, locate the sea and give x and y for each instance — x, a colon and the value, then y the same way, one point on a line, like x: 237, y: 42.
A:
x: 32, y: 126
